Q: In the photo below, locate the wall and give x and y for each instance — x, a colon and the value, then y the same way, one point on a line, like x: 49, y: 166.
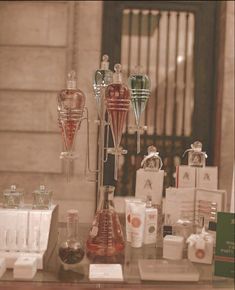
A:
x: 227, y: 134
x: 39, y: 42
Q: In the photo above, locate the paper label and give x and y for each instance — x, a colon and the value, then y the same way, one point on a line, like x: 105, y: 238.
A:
x: 105, y: 272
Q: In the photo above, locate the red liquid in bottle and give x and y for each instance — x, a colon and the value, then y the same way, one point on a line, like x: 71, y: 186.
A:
x: 70, y: 107
x: 105, y: 241
x: 117, y: 102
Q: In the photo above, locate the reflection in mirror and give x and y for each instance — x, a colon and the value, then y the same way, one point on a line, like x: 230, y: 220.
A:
x: 162, y: 43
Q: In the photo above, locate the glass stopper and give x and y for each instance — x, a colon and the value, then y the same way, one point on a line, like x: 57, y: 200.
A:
x: 197, y: 146
x: 117, y: 76
x: 13, y: 188
x: 71, y: 80
x: 105, y: 62
x: 42, y: 187
x: 152, y: 149
x: 117, y: 68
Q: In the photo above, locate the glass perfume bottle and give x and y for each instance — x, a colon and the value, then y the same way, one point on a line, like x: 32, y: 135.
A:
x: 42, y: 198
x: 139, y: 85
x: 102, y: 78
x: 12, y: 197
x: 117, y: 97
x: 105, y: 241
x: 152, y: 161
x: 71, y: 251
x: 196, y: 157
x: 71, y: 103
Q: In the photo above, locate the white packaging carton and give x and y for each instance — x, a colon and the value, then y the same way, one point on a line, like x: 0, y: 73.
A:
x: 150, y: 226
x: 207, y: 177
x: 25, y: 268
x: 200, y: 248
x: 179, y: 202
x: 149, y: 183
x: 173, y: 247
x: 185, y: 176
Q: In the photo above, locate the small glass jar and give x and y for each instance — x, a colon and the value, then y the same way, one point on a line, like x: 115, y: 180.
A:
x: 196, y: 157
x: 42, y: 198
x: 13, y: 197
x: 152, y: 161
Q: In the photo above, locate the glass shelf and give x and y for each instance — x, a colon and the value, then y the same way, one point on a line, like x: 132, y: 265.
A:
x: 54, y: 274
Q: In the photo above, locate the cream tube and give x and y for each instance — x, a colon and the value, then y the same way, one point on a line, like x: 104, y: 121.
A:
x: 128, y: 216
x: 137, y: 223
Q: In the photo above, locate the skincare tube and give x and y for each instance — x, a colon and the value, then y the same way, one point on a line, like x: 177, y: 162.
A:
x: 137, y: 223
x: 128, y: 216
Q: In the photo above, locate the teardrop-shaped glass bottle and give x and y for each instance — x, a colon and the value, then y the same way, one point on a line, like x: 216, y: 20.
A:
x: 102, y: 78
x: 71, y: 103
x: 117, y: 97
x: 139, y: 85
x: 105, y: 242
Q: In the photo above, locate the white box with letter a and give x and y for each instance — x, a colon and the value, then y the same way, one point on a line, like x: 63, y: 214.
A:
x: 149, y: 183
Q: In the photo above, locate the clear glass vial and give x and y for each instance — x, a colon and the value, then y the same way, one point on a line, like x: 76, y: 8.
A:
x: 13, y: 197
x: 42, y: 198
x: 71, y: 251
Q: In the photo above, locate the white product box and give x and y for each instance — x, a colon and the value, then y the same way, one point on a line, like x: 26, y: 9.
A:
x: 185, y: 176
x: 28, y: 232
x: 2, y: 266
x: 150, y: 226
x: 149, y: 183
x: 207, y: 177
x: 178, y: 202
x: 200, y: 248
x: 173, y: 247
x: 208, y: 203
x: 25, y: 268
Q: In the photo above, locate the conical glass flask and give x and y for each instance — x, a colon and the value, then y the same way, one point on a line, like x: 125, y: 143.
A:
x: 71, y: 103
x: 117, y: 97
x: 139, y: 85
x: 105, y: 242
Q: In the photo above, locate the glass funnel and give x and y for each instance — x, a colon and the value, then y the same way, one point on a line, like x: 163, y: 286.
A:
x: 71, y: 103
x: 139, y: 85
x: 117, y: 97
x: 105, y: 241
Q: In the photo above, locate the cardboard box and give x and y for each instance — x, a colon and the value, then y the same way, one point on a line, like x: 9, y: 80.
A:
x: 149, y: 183
x: 207, y: 177
x: 185, y: 176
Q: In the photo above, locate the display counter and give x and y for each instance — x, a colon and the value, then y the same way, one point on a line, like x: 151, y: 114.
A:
x: 53, y: 276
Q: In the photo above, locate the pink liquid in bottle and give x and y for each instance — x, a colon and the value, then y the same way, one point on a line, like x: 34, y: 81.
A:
x: 105, y: 242
x: 117, y: 96
x: 71, y: 102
